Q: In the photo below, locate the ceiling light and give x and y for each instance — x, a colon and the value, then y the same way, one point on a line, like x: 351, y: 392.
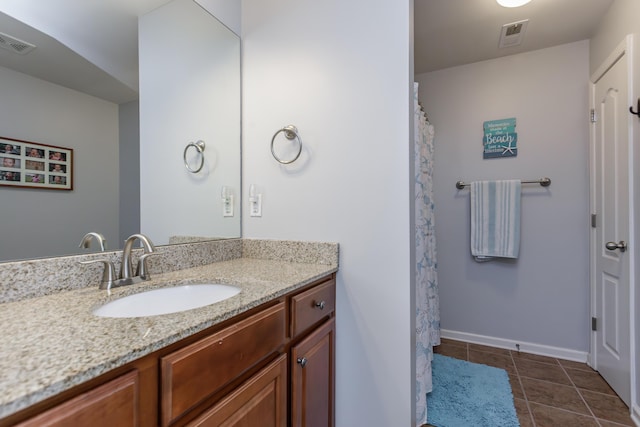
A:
x: 512, y: 3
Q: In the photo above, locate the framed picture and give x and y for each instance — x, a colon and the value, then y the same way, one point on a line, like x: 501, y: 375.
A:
x: 33, y: 165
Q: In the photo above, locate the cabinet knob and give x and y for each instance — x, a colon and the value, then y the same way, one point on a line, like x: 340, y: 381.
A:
x: 320, y: 305
x: 302, y: 361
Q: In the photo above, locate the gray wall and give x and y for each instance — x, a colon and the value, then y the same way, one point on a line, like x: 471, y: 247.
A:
x: 37, y: 223
x: 543, y: 297
x: 129, y: 127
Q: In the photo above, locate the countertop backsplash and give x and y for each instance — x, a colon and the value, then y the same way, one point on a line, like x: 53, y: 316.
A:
x: 39, y: 277
x: 291, y: 251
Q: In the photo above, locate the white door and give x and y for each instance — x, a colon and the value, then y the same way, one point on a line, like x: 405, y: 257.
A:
x: 611, y: 234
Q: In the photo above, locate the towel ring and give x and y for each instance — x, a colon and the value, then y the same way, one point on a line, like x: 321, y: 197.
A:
x: 199, y: 146
x: 290, y: 132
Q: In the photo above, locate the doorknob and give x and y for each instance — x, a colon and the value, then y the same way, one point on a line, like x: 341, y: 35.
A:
x: 637, y: 113
x: 612, y: 246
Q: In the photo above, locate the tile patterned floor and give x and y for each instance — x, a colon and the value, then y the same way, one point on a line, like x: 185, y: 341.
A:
x: 549, y: 392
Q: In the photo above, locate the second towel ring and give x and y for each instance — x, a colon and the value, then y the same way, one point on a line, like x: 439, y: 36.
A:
x: 290, y: 132
x: 199, y: 146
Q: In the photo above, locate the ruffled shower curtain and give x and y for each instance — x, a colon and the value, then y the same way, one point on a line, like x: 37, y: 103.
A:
x: 427, y: 302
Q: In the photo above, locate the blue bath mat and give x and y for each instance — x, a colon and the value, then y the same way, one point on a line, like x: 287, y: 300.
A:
x: 468, y: 394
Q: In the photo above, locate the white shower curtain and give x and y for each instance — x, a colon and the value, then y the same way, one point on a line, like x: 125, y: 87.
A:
x: 427, y: 302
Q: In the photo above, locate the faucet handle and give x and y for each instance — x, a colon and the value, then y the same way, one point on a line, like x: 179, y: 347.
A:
x: 143, y: 270
x: 108, y: 275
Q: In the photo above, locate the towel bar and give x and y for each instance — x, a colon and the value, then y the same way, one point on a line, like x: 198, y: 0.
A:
x: 545, y: 182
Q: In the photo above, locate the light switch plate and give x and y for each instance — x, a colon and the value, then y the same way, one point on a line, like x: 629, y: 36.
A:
x: 227, y: 208
x: 255, y: 205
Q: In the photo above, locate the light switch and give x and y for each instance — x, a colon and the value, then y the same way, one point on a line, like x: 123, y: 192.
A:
x: 227, y: 201
x: 255, y: 201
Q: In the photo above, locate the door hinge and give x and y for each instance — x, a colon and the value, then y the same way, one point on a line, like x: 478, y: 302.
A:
x: 593, y: 221
x: 592, y: 116
x: 594, y: 324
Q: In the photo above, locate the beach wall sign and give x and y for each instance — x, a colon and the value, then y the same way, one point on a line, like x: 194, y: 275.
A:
x: 500, y: 138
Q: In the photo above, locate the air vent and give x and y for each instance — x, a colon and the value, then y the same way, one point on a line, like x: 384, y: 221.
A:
x: 15, y: 45
x: 512, y: 34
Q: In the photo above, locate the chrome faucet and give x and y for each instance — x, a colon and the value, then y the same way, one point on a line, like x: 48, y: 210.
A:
x: 127, y: 277
x: 86, y: 240
x: 126, y: 271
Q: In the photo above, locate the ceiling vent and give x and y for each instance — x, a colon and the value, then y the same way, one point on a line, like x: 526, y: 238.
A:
x: 15, y: 45
x: 512, y: 34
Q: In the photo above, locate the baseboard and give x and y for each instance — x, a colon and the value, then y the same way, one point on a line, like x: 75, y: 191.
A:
x: 525, y: 347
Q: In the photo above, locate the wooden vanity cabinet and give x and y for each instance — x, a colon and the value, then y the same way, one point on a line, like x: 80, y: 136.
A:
x: 297, y: 389
x: 273, y: 366
x: 312, y: 356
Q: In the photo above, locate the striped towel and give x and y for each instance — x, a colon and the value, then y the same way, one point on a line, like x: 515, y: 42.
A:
x: 495, y: 219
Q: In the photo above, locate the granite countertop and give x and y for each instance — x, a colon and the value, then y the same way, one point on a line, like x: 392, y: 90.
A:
x: 52, y: 343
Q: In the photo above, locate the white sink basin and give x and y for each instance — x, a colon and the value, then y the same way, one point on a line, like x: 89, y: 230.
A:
x: 167, y: 300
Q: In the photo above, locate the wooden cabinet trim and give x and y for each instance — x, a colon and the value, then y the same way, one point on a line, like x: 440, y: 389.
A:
x: 117, y: 398
x: 247, y: 403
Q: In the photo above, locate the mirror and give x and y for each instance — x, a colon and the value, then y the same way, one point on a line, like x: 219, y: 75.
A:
x: 129, y: 171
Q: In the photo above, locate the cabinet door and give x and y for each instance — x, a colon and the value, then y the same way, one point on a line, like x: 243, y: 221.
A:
x: 312, y: 378
x: 114, y: 403
x: 260, y: 401
x: 193, y: 373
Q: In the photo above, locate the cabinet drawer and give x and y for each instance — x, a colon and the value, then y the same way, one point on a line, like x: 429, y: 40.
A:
x: 311, y: 306
x: 114, y: 403
x: 191, y: 374
x: 260, y: 401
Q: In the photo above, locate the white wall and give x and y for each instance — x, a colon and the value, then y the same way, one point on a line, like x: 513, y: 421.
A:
x: 37, y: 223
x: 543, y: 297
x: 621, y: 19
x: 186, y: 96
x: 340, y: 72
